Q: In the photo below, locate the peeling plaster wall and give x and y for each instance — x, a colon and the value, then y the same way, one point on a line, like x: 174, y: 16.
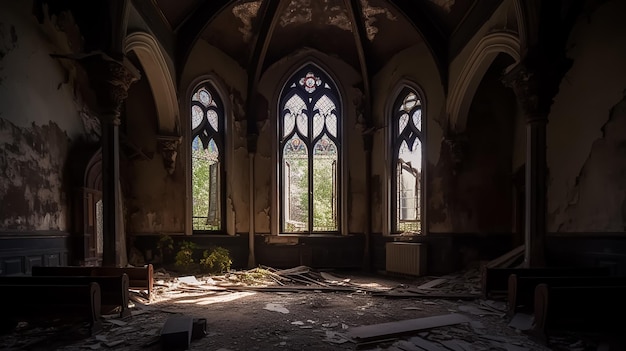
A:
x: 417, y: 65
x: 155, y: 199
x: 204, y: 61
x: 352, y: 143
x: 39, y: 119
x: 586, y: 134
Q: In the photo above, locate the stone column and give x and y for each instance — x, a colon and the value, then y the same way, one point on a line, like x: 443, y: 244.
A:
x: 525, y: 84
x: 252, y: 140
x: 110, y: 80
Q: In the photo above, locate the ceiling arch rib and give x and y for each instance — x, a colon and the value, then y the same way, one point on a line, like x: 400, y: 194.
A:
x: 159, y: 77
x: 360, y: 38
x: 434, y: 36
x: 192, y: 28
x: 473, y: 71
x: 267, y: 13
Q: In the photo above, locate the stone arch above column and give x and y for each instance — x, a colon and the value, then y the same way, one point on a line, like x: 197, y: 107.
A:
x: 160, y: 79
x: 479, y: 61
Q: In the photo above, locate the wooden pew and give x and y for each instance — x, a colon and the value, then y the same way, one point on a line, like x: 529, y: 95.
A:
x: 113, y: 289
x: 495, y: 281
x: 47, y: 303
x: 521, y: 290
x: 140, y: 278
x: 598, y: 309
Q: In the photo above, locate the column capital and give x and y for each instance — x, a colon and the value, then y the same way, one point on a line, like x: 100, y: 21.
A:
x: 525, y: 82
x: 109, y: 79
x: 168, y: 146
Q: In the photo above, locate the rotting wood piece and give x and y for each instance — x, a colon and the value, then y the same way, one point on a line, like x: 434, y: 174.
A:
x: 45, y: 304
x: 495, y: 281
x: 578, y: 309
x: 140, y: 278
x: 521, y: 290
x: 113, y: 289
x: 391, y: 329
x: 507, y: 259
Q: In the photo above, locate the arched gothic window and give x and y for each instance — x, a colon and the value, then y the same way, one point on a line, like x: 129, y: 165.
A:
x: 309, y: 153
x: 207, y: 159
x: 407, y: 141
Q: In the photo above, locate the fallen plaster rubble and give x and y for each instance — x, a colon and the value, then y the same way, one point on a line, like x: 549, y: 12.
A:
x: 467, y: 325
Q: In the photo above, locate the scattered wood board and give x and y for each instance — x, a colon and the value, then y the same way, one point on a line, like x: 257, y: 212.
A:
x: 508, y: 258
x: 423, y: 295
x: 427, y: 345
x: 385, y: 330
x: 431, y: 284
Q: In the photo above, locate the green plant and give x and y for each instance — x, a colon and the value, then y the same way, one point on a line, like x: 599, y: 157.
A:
x: 184, y: 256
x: 216, y: 260
x: 165, y: 243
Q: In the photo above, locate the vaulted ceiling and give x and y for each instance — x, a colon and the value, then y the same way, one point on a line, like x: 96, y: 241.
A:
x: 363, y: 33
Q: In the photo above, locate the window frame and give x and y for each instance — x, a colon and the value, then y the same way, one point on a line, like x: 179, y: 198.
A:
x: 215, y: 88
x: 284, y: 95
x: 402, y: 88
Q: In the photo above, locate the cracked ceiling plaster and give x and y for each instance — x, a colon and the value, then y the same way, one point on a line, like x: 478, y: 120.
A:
x: 326, y: 12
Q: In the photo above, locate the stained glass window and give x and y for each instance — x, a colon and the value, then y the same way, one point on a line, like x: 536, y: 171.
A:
x: 309, y: 153
x: 207, y: 159
x: 407, y: 185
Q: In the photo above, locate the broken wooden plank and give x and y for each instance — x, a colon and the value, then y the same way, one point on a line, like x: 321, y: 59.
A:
x: 457, y: 345
x: 427, y: 345
x: 385, y: 330
x: 422, y: 295
x: 506, y: 259
x: 431, y: 284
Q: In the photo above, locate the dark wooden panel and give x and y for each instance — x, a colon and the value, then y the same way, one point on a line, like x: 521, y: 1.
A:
x: 13, y: 265
x: 20, y: 251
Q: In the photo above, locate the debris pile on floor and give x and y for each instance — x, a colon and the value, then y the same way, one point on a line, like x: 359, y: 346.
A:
x: 303, y: 308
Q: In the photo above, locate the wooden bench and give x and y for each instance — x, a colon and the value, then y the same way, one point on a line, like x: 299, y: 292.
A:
x: 51, y: 303
x: 140, y: 278
x: 495, y: 281
x: 113, y: 289
x: 597, y: 309
x: 521, y: 290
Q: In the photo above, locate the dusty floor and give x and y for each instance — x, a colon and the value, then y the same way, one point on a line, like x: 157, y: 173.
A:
x: 299, y: 315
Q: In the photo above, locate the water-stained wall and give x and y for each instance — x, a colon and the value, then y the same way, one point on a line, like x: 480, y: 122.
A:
x: 42, y: 117
x: 586, y: 139
x: 154, y: 198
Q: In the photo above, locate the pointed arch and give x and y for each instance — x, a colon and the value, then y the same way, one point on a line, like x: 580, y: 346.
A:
x: 159, y: 77
x: 479, y: 61
x: 309, y: 131
x: 208, y: 150
x: 405, y: 172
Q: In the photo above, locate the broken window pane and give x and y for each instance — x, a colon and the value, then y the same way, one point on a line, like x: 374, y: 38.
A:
x: 407, y: 183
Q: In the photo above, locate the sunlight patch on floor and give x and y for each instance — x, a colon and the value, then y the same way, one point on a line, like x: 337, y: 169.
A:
x: 207, y: 300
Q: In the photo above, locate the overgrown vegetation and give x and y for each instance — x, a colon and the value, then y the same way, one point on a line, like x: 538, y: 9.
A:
x: 165, y: 245
x: 216, y: 260
x: 184, y: 256
x: 324, y: 217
